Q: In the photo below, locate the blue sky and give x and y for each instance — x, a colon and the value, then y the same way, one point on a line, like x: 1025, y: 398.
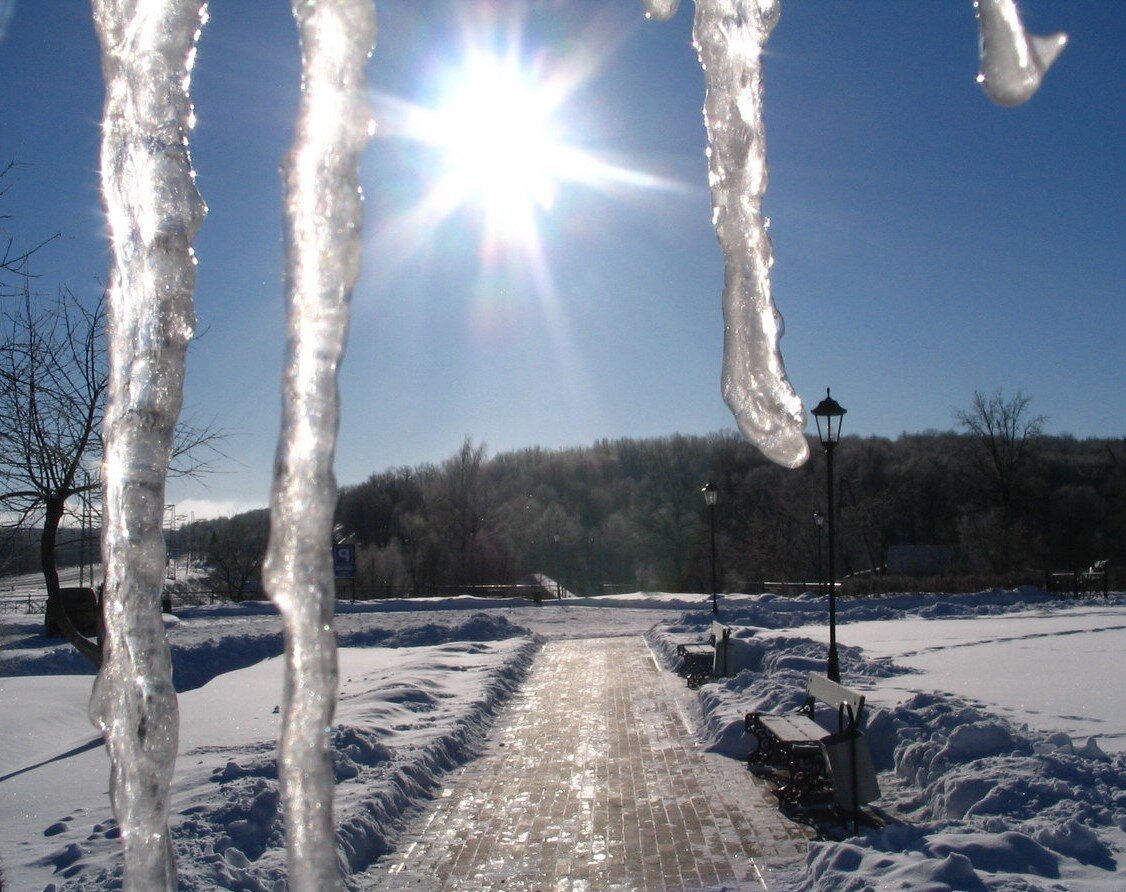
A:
x: 928, y: 243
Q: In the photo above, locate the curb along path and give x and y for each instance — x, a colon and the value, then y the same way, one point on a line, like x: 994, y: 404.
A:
x: 591, y: 780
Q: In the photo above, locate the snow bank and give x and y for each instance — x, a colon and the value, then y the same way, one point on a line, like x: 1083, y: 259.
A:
x: 409, y: 710
x: 976, y: 801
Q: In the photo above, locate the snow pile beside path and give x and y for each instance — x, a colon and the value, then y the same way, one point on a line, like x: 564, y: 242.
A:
x: 984, y: 803
x: 989, y: 805
x: 746, y: 614
x: 409, y: 710
x: 208, y: 641
x: 782, y: 611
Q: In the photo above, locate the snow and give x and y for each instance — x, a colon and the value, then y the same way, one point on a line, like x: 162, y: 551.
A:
x: 986, y: 765
x: 978, y: 724
x: 1001, y: 660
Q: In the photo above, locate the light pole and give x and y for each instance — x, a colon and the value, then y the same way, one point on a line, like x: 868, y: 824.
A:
x: 558, y: 570
x: 169, y: 554
x: 819, y: 519
x: 711, y: 496
x: 831, y: 413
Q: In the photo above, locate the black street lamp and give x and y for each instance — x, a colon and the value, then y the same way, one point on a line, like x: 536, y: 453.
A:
x: 831, y: 413
x: 819, y: 520
x: 711, y: 496
x: 558, y: 570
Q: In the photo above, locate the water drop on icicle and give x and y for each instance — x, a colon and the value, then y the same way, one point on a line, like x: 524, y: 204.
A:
x: 729, y: 37
x: 661, y: 10
x: 1013, y: 61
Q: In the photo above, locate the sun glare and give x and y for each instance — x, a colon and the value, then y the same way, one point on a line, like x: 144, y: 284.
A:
x: 495, y: 133
x: 499, y: 144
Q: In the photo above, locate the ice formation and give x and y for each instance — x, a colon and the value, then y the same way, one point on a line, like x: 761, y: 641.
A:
x: 662, y: 10
x: 323, y: 218
x: 729, y: 37
x: 153, y: 211
x: 1013, y: 62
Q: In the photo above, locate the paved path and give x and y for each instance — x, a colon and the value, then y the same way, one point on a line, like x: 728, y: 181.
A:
x: 591, y: 779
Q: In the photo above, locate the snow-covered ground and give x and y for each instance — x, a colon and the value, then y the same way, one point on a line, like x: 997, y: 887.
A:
x: 982, y: 706
x: 983, y: 713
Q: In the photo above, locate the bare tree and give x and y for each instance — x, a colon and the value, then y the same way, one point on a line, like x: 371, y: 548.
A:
x: 53, y: 374
x: 234, y: 549
x: 52, y: 366
x: 13, y: 260
x: 1005, y: 432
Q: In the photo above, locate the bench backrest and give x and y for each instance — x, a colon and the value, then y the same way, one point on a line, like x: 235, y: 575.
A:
x: 833, y: 695
x: 721, y: 637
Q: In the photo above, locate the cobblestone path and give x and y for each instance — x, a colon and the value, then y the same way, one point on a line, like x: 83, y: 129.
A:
x: 592, y: 780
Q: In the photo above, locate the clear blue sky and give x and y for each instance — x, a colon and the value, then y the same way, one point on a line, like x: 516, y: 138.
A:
x: 928, y: 243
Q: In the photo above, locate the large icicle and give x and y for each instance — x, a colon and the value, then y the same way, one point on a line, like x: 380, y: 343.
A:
x: 729, y: 37
x: 323, y: 217
x: 1013, y: 61
x: 153, y: 211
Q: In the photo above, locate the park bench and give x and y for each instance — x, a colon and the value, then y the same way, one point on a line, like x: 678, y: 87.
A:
x: 813, y: 761
x: 706, y: 659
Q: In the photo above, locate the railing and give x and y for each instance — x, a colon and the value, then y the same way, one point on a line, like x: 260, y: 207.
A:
x: 25, y: 603
x: 1095, y: 581
x: 346, y: 591
x: 793, y: 588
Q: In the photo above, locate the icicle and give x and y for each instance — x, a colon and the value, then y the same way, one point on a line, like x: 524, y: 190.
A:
x: 1013, y: 61
x: 323, y: 210
x: 729, y: 37
x: 153, y: 211
x: 661, y: 10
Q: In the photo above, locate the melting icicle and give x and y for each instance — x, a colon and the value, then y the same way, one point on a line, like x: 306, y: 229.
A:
x: 661, y: 10
x: 323, y: 217
x: 153, y: 211
x: 1013, y: 61
x: 729, y: 37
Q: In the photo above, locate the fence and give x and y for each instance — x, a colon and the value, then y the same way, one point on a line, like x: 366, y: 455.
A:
x: 25, y: 603
x: 1096, y: 581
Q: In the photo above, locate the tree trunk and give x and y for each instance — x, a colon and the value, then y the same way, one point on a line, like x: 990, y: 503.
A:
x: 55, y: 614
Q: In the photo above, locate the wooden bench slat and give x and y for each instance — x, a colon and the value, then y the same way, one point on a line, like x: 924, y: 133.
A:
x: 792, y: 728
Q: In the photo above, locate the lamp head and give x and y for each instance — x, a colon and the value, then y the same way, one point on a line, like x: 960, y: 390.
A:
x: 829, y: 412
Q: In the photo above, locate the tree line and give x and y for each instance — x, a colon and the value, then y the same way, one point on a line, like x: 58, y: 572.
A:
x: 999, y: 507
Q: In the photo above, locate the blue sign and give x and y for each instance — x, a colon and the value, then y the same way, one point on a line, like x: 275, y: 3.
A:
x: 344, y: 561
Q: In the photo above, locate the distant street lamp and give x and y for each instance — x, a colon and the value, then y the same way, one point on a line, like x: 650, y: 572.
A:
x: 711, y: 496
x: 558, y: 570
x: 819, y: 520
x: 831, y: 413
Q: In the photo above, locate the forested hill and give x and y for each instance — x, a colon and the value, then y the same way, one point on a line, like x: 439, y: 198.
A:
x: 631, y: 512
x: 979, y: 512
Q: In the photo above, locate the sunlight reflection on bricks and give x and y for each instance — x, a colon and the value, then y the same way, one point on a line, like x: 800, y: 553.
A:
x: 591, y: 781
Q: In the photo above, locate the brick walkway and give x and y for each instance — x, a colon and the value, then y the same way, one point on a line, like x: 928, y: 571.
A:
x: 592, y: 780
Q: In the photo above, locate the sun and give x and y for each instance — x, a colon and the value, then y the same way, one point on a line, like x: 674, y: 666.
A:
x: 491, y: 129
x: 501, y: 147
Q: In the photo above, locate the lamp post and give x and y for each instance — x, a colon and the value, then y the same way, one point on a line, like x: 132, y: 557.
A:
x: 711, y: 496
x: 831, y: 413
x: 819, y: 520
x: 558, y: 570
